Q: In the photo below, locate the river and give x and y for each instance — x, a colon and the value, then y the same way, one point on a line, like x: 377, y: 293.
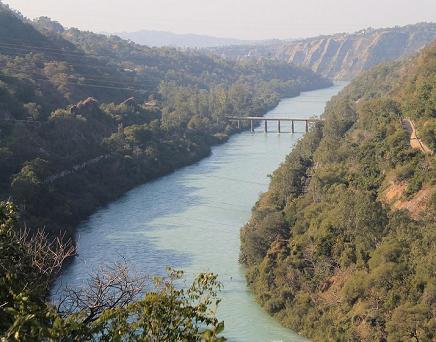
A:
x: 191, y: 219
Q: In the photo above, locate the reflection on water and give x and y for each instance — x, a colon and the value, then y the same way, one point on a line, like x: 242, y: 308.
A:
x: 190, y: 220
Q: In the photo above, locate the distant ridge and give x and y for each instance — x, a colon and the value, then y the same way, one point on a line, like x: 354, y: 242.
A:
x: 163, y: 38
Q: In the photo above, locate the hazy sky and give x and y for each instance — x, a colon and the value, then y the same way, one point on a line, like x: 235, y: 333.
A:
x: 248, y: 19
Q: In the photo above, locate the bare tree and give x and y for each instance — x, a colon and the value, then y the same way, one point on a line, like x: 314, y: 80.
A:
x: 108, y: 288
x: 47, y: 255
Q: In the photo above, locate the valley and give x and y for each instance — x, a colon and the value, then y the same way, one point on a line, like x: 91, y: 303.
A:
x: 182, y: 187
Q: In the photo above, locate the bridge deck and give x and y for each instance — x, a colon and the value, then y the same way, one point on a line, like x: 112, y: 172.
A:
x: 262, y: 118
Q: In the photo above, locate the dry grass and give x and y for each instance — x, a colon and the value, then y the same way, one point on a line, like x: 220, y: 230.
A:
x: 331, y: 294
x: 393, y: 196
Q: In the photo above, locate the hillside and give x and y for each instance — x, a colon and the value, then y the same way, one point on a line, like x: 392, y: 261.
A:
x: 86, y: 117
x: 342, y: 246
x: 343, y: 56
x: 162, y: 38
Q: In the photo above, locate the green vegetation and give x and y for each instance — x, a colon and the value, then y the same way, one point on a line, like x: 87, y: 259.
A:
x: 115, y: 305
x: 342, y: 246
x: 86, y: 117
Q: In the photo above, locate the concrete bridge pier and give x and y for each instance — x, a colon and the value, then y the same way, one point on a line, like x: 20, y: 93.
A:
x: 307, y: 126
x: 266, y: 126
x: 251, y: 126
x: 292, y: 127
x: 278, y: 126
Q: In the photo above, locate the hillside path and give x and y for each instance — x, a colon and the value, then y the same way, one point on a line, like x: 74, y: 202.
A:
x: 415, y: 141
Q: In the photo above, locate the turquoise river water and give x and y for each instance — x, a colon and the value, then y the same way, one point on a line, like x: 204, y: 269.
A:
x: 191, y: 219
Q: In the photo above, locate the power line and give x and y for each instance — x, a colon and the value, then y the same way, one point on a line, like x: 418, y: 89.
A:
x: 217, y: 207
x: 54, y: 53
x: 237, y: 180
x: 86, y: 85
x: 151, y: 82
x: 85, y: 54
x: 200, y: 221
x: 26, y: 52
x: 15, y: 46
x: 103, y: 80
x: 80, y: 52
x: 61, y: 52
x: 112, y: 67
x: 33, y: 122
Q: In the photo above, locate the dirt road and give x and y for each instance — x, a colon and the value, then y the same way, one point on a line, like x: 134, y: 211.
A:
x: 415, y: 141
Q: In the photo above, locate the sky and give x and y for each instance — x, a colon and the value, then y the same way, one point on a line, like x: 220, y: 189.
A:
x: 244, y: 19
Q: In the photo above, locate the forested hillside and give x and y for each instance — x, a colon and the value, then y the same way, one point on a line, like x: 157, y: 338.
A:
x: 85, y: 117
x: 342, y: 246
x: 342, y: 56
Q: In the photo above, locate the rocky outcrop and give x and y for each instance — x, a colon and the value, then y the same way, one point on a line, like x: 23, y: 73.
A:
x: 45, y: 23
x: 343, y: 56
x: 130, y: 102
x: 88, y: 106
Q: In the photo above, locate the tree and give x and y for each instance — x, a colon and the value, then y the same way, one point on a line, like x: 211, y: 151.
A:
x: 28, y: 264
x: 408, y: 324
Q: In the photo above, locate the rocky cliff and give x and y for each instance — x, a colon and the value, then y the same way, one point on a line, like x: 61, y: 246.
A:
x: 343, y: 56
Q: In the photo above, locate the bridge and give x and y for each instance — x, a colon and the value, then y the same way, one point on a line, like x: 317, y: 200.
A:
x: 253, y: 119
